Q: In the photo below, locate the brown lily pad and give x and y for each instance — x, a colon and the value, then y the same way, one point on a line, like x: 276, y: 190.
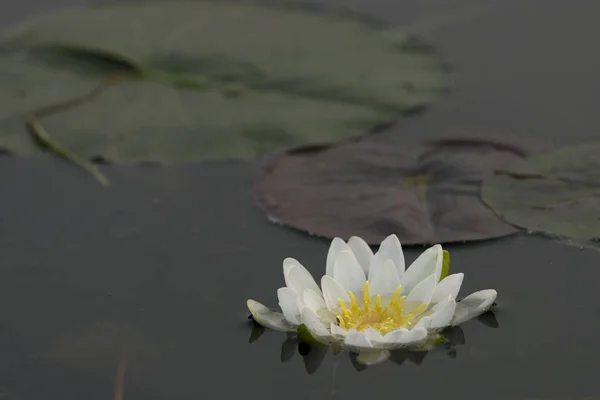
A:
x: 424, y: 194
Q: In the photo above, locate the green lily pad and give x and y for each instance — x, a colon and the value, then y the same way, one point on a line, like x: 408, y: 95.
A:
x: 556, y: 193
x: 136, y: 121
x: 229, y: 80
x: 424, y: 194
x: 29, y: 84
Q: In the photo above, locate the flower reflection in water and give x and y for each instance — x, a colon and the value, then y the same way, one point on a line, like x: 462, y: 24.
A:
x: 314, y: 354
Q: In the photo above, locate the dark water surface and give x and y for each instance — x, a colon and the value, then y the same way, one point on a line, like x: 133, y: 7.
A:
x: 147, y: 280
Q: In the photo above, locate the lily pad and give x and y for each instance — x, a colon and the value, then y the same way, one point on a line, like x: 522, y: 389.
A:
x: 28, y: 83
x: 135, y: 121
x: 230, y: 80
x: 557, y: 193
x: 32, y: 85
x: 424, y: 194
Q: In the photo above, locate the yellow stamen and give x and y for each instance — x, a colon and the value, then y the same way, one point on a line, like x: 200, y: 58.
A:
x: 353, y: 301
x: 419, y: 310
x: 366, y: 297
x: 395, y: 296
x: 347, y: 313
x: 400, y: 302
x: 384, y: 319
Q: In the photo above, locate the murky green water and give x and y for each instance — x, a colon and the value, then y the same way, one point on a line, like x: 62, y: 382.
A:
x: 146, y: 281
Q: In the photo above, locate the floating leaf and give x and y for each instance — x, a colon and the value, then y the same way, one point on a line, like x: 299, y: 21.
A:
x: 427, y: 194
x: 29, y: 83
x: 350, y: 59
x: 145, y: 121
x: 32, y: 89
x: 259, y: 79
x: 557, y: 193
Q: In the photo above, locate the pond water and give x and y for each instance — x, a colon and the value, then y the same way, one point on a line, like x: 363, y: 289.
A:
x: 145, y: 282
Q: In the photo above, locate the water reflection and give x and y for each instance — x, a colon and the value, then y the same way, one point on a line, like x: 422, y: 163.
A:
x: 313, y: 355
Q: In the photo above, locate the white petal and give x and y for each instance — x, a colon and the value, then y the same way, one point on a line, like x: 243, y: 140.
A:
x: 300, y: 303
x: 395, y: 336
x: 372, y: 357
x: 288, y: 301
x: 449, y: 286
x: 298, y: 278
x: 333, y: 292
x: 429, y: 262
x: 326, y: 316
x: 348, y: 272
x: 473, y: 305
x: 414, y: 336
x: 313, y: 300
x: 337, y: 245
x: 390, y: 249
x: 442, y: 313
x: 288, y: 263
x: 403, y: 337
x: 423, y: 323
x: 358, y: 340
x: 373, y: 335
x: 362, y: 252
x: 421, y: 293
x: 316, y: 327
x: 384, y: 279
x: 337, y: 331
x: 267, y: 317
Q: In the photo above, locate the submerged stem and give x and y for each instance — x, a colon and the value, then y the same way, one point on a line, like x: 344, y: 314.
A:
x: 120, y: 379
x: 40, y: 134
x: 45, y: 140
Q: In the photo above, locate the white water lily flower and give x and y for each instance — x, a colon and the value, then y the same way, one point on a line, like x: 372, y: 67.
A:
x: 369, y: 301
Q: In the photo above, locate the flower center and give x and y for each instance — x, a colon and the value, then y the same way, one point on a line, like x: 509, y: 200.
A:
x: 381, y: 318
